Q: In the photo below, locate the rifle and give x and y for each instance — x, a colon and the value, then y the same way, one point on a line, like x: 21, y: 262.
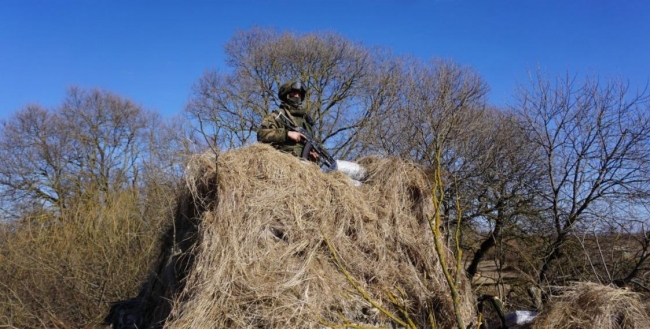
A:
x: 325, y: 160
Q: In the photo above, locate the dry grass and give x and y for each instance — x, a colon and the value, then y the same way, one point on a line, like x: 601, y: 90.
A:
x: 594, y: 306
x: 260, y: 260
x: 62, y: 271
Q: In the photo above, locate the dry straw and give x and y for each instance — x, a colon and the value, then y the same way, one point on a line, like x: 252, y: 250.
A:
x: 254, y: 254
x: 587, y: 305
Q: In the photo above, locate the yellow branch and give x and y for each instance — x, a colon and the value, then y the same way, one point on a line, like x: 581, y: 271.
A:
x: 434, y: 224
x: 360, y: 289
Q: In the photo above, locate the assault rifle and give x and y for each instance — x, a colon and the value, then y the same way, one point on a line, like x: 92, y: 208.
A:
x: 325, y: 160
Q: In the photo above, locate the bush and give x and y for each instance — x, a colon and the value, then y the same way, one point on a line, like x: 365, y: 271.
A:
x: 63, y: 270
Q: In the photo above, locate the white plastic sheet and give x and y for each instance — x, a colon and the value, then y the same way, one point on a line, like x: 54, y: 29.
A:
x: 351, y: 169
x: 517, y: 319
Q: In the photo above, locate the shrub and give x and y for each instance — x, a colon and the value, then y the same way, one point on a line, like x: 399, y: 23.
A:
x: 63, y: 270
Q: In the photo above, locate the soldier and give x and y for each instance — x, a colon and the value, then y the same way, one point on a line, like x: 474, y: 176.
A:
x: 273, y: 131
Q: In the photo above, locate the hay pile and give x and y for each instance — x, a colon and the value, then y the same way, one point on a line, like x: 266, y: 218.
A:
x: 593, y: 306
x: 254, y: 254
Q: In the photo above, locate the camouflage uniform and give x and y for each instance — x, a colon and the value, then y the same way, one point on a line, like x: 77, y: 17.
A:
x: 274, y: 132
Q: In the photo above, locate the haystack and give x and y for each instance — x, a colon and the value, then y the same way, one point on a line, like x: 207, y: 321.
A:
x: 594, y: 306
x: 264, y: 240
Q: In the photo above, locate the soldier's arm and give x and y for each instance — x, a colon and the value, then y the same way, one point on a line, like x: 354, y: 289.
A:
x: 270, y: 131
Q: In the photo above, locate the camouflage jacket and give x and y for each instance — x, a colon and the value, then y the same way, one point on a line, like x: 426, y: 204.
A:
x: 274, y: 132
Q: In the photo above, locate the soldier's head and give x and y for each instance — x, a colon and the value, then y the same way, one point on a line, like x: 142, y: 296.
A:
x: 292, y: 93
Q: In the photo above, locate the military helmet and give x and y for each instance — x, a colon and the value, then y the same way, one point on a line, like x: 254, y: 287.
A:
x: 286, y: 88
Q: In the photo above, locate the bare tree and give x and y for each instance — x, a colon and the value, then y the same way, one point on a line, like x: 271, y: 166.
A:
x: 228, y: 107
x: 501, y: 189
x: 95, y: 141
x: 432, y: 104
x: 439, y: 108
x: 36, y: 156
x: 595, y: 139
x: 107, y: 133
x: 434, y: 109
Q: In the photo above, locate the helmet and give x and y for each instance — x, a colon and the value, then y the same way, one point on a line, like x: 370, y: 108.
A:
x: 286, y: 88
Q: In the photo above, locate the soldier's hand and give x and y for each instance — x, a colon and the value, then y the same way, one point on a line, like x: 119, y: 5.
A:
x: 295, y: 136
x: 313, y: 156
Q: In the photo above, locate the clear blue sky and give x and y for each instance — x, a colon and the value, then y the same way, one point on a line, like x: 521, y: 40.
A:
x: 153, y: 51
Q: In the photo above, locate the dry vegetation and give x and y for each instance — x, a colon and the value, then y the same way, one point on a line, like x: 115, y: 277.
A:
x: 63, y: 271
x: 590, y: 305
x: 265, y: 251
